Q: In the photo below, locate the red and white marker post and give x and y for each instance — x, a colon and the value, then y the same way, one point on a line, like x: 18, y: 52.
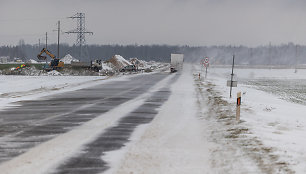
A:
x: 238, y: 106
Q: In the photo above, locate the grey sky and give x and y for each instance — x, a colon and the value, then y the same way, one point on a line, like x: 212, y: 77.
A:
x: 191, y: 22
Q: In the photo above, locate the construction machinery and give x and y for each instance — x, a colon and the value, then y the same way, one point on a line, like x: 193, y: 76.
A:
x: 95, y: 65
x: 55, y: 63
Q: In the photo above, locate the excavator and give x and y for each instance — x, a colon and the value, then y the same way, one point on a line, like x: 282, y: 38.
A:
x: 55, y: 62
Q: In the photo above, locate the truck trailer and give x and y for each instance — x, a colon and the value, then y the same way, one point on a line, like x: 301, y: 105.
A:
x: 176, y: 62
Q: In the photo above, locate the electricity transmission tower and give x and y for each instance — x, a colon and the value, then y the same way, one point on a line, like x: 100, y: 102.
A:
x: 80, y: 31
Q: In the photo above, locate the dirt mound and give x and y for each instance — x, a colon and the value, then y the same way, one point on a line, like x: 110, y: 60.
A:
x: 117, y: 62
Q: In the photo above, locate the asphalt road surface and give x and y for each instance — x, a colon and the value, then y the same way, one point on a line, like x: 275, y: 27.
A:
x: 31, y: 123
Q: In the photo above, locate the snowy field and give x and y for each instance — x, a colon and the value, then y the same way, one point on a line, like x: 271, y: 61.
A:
x: 272, y: 116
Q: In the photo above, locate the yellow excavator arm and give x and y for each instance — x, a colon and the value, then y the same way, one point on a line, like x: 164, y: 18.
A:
x: 55, y: 62
x: 44, y: 50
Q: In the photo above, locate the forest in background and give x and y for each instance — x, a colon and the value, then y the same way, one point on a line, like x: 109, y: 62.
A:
x: 285, y: 54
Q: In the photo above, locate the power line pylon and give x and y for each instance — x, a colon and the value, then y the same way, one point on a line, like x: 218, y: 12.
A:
x: 80, y: 31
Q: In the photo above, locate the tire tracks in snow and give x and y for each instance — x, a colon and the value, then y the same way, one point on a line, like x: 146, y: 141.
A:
x: 46, y: 89
x: 47, y: 156
x: 175, y: 141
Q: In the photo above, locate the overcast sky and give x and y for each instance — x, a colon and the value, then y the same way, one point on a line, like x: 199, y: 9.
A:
x: 174, y: 22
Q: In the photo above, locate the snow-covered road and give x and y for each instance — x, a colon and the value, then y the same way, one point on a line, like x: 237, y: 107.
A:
x: 48, y: 132
x: 196, y: 131
x: 176, y: 140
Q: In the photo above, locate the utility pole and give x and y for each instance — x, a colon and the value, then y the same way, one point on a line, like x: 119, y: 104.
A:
x: 80, y: 31
x: 296, y: 58
x: 58, y: 37
x: 232, y: 76
x: 270, y: 57
x: 46, y: 40
x: 39, y: 43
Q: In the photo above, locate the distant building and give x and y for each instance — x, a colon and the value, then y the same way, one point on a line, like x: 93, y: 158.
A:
x: 4, y: 59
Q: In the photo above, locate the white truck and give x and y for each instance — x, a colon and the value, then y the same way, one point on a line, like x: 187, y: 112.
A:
x: 176, y: 62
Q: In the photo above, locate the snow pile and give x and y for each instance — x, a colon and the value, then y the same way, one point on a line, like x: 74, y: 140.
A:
x: 149, y: 66
x: 117, y: 62
x: 121, y: 60
x: 106, y: 70
x: 68, y: 59
x: 54, y: 73
x: 141, y: 64
x: 30, y: 71
x: 106, y: 67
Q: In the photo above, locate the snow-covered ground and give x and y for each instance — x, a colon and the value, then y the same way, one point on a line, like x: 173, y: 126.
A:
x: 45, y: 157
x: 175, y: 142
x: 195, y: 131
x: 22, y: 87
x: 272, y: 115
x: 17, y: 88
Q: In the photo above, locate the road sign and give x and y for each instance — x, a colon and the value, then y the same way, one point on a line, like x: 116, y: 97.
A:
x: 234, y: 83
x: 202, y: 61
x: 206, y: 60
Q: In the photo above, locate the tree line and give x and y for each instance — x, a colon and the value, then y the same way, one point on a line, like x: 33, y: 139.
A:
x: 285, y: 54
x: 92, y: 52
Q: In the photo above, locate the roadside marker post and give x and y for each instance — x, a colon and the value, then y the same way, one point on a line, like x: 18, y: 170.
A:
x: 206, y: 64
x: 238, y: 106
